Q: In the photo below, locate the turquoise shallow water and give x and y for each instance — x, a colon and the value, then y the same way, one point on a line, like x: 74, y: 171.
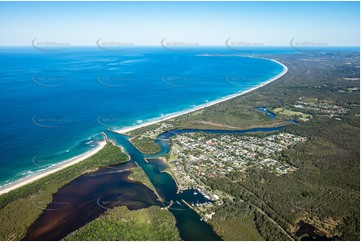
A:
x: 54, y: 104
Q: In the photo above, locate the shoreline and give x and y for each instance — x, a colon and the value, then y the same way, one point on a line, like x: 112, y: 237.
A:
x: 60, y: 166
x: 223, y: 99
x: 74, y: 160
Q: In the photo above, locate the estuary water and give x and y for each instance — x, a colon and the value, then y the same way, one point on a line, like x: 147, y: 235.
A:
x: 90, y: 195
x: 55, y: 104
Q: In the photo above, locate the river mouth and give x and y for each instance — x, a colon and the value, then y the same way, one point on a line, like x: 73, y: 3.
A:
x: 152, y: 80
x: 188, y: 222
x: 91, y: 194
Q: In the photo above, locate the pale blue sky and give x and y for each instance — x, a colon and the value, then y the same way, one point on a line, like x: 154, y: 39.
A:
x: 206, y: 23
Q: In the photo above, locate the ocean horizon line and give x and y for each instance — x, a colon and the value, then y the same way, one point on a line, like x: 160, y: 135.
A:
x: 193, y: 47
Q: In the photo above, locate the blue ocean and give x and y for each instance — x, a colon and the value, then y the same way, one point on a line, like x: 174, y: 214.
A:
x: 55, y: 103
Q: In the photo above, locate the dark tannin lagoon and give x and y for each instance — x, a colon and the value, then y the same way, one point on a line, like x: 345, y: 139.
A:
x: 87, y: 197
x: 309, y: 232
x: 90, y: 195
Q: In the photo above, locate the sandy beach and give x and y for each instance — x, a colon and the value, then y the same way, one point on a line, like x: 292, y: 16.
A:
x: 170, y: 116
x: 75, y: 160
x: 58, y: 167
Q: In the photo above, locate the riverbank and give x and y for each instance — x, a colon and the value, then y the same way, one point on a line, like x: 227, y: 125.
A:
x: 58, y: 167
x: 173, y: 115
x: 32, y: 200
